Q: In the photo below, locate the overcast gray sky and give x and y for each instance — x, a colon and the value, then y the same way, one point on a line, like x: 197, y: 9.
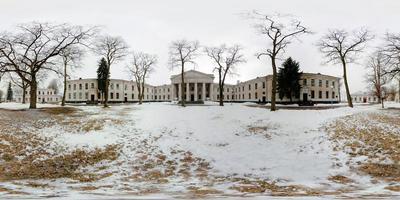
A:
x: 151, y: 25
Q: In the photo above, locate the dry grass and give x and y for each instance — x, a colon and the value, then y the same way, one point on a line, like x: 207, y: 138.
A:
x: 395, y: 188
x: 201, y: 192
x: 388, y: 172
x: 60, y: 110
x: 264, y: 186
x: 260, y: 130
x: 340, y: 179
x: 63, y: 166
x: 373, y: 135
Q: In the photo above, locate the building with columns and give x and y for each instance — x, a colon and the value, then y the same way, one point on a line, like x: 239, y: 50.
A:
x: 200, y: 87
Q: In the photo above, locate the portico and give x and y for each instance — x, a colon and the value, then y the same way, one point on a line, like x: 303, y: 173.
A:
x: 198, y: 86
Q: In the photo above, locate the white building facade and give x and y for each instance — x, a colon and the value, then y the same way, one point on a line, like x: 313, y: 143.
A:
x: 200, y: 87
x: 43, y: 96
x: 364, y: 97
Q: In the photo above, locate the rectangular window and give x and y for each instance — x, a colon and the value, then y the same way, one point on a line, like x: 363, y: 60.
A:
x: 86, y: 86
x: 333, y: 95
x: 69, y: 87
x: 249, y: 87
x: 80, y: 95
x: 133, y: 96
x: 327, y: 94
x: 327, y: 84
x: 320, y: 94
x: 133, y: 87
x: 304, y: 81
x: 249, y: 96
x: 126, y: 87
x: 312, y: 82
x: 320, y: 83
x: 255, y: 95
x: 255, y: 86
x: 117, y: 95
x: 263, y: 85
x: 86, y: 95
x: 111, y: 95
x: 92, y: 85
x: 69, y: 95
x: 333, y: 84
x: 111, y: 86
x: 312, y: 94
x: 80, y: 86
x: 117, y: 86
x: 74, y: 86
x: 74, y: 95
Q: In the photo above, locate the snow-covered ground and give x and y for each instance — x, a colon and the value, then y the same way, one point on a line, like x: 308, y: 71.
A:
x: 19, y: 106
x: 286, y: 147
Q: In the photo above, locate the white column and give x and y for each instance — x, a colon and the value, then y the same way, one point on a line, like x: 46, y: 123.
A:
x: 179, y: 91
x: 196, y: 95
x: 187, y: 92
x: 203, y: 92
x: 172, y: 92
x: 211, y: 92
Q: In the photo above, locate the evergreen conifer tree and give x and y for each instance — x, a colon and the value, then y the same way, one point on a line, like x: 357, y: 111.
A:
x: 9, y: 92
x: 289, y: 76
x: 102, y: 75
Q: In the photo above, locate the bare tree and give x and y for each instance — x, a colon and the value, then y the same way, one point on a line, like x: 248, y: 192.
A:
x: 182, y: 52
x: 339, y: 46
x: 141, y: 66
x: 34, y: 48
x: 113, y: 49
x: 375, y: 76
x: 19, y: 82
x: 279, y: 31
x: 70, y: 58
x: 226, y: 59
x: 391, y: 51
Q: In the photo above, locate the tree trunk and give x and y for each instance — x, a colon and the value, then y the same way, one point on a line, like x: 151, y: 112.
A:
x: 221, y: 90
x: 106, y: 94
x: 183, y: 99
x: 382, y: 103
x: 273, y: 91
x: 23, y: 93
x: 33, y: 92
x: 65, y: 85
x: 346, y: 85
x: 140, y: 97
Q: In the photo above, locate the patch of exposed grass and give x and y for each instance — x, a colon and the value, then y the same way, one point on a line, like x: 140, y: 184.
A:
x: 263, y: 186
x: 340, y: 179
x: 374, y: 135
x: 395, y: 188
x: 202, y: 191
x: 389, y: 172
x: 60, y: 110
x: 63, y: 166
